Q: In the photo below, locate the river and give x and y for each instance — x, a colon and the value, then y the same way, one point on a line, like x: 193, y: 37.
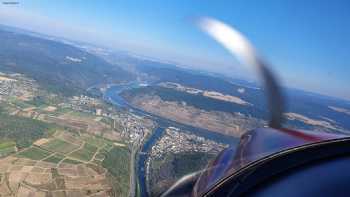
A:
x: 112, y: 95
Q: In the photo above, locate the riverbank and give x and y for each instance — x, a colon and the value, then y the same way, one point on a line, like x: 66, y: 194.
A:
x: 112, y: 95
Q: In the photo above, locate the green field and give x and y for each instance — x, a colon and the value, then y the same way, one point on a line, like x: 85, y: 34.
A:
x: 85, y: 153
x: 7, y: 144
x: 108, y: 121
x: 21, y: 104
x: 82, y: 114
x: 6, y: 151
x: 61, y: 110
x: 96, y: 141
x: 97, y: 162
x: 69, y: 161
x: 58, y: 145
x: 55, y: 158
x: 108, y: 147
x: 100, y: 156
x: 34, y: 153
x: 7, y: 147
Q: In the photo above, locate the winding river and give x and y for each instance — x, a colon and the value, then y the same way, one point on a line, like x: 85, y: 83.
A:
x: 112, y: 95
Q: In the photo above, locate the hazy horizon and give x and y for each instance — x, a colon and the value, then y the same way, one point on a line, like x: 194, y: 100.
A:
x: 308, y: 49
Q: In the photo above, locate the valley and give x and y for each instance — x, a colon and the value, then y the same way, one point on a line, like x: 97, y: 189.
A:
x: 54, y: 145
x: 80, y: 120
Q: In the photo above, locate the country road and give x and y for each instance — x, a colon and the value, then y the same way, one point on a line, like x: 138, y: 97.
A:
x: 134, y: 150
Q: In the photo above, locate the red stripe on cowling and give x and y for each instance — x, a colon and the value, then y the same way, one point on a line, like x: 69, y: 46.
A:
x: 302, y: 135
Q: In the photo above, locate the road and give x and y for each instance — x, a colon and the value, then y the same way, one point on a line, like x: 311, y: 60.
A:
x: 134, y: 151
x: 132, y: 188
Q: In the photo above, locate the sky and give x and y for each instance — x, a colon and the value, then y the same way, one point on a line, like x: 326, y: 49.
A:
x: 306, y: 42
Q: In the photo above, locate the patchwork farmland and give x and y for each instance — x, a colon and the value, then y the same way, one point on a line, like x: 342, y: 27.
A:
x: 65, y: 164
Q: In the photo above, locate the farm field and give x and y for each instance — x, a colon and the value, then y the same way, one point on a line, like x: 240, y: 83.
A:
x: 47, y: 151
x: 26, y: 177
x: 7, y: 151
x: 66, y: 147
x: 34, y: 153
x: 83, y: 122
x: 7, y: 147
x: 85, y: 153
x: 77, y: 165
x: 55, y: 158
x: 69, y: 162
x: 58, y: 145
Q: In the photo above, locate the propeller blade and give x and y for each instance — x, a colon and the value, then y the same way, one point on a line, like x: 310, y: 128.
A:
x: 239, y: 46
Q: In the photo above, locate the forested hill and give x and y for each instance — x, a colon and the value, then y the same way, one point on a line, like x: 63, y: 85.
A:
x: 194, y: 100
x: 56, y: 66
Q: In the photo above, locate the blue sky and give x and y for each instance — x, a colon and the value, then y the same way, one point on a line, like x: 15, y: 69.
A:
x: 307, y: 42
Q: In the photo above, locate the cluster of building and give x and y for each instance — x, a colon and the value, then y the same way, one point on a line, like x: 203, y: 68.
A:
x: 16, y: 85
x: 176, y: 141
x: 133, y: 127
x: 92, y: 105
x: 87, y: 104
x: 84, y: 100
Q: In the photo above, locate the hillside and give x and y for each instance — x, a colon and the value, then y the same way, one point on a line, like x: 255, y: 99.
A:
x: 196, y: 110
x: 58, y: 67
x: 195, y: 100
x: 233, y: 115
x: 170, y: 73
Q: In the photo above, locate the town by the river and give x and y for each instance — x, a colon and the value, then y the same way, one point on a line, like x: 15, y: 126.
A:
x: 112, y: 95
